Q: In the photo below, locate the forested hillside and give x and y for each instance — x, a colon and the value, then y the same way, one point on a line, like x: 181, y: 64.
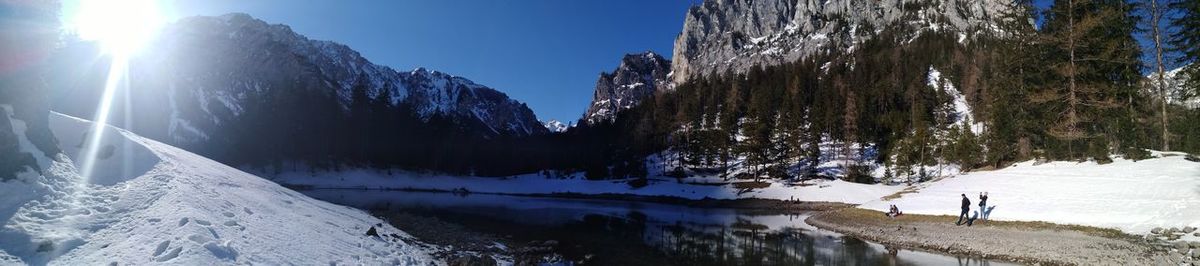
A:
x: 909, y: 101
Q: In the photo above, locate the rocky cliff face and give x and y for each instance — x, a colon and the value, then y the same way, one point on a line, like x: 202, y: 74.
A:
x: 638, y: 76
x: 734, y: 35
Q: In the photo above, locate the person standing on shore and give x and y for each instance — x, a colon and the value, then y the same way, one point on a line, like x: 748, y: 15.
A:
x: 966, y: 206
x: 983, y: 205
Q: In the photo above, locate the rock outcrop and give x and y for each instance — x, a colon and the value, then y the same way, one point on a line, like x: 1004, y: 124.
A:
x: 638, y: 76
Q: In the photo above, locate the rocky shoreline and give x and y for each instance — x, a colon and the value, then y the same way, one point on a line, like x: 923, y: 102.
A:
x: 753, y: 204
x: 1039, y: 243
x: 1024, y: 242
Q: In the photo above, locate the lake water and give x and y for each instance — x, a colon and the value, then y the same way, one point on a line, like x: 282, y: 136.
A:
x: 607, y: 232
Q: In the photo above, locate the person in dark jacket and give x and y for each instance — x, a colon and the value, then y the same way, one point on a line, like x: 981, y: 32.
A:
x: 983, y: 205
x: 966, y: 206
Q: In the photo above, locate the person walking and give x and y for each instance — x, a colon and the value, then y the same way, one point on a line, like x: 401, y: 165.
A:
x: 966, y: 206
x: 983, y: 205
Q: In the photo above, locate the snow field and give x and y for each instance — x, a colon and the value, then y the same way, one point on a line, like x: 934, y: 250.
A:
x: 1134, y: 197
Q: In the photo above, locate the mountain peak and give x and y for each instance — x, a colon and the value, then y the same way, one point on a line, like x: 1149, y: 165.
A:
x: 557, y: 126
x: 638, y: 76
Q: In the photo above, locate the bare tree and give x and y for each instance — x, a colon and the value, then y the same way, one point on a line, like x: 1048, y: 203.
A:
x: 1156, y: 14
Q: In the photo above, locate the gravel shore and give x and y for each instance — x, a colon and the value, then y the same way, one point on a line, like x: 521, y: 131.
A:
x: 1023, y: 242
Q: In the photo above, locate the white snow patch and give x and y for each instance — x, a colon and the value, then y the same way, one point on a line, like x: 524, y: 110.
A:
x: 958, y: 100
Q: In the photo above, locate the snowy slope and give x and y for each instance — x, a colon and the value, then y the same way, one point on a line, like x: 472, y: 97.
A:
x: 819, y: 190
x: 152, y: 203
x: 1131, y: 196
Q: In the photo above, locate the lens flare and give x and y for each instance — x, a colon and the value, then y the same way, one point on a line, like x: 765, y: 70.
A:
x: 117, y: 79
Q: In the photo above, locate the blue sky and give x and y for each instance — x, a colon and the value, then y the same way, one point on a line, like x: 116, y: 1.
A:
x: 547, y: 53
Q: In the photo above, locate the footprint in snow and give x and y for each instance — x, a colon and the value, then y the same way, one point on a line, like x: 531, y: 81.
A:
x: 203, y: 222
x: 199, y: 239
x: 162, y: 247
x: 170, y: 254
x: 247, y: 210
x: 183, y: 221
x: 228, y: 214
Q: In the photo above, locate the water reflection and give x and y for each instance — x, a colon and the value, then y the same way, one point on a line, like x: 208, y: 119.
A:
x: 600, y: 232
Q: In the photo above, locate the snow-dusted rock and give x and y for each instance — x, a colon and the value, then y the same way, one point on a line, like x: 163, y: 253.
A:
x: 638, y: 77
x: 557, y: 126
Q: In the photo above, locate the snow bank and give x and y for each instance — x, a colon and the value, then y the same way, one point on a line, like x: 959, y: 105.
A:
x: 148, y: 202
x: 818, y: 190
x: 1131, y: 196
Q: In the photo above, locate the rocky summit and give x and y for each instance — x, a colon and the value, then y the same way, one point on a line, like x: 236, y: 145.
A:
x: 638, y: 76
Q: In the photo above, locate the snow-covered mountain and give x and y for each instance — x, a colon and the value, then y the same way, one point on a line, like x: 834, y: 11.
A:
x: 180, y: 207
x: 245, y: 54
x: 557, y: 126
x: 1173, y: 80
x: 203, y: 72
x: 734, y: 35
x: 638, y: 76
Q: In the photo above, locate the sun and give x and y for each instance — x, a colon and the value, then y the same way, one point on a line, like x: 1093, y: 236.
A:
x: 121, y: 26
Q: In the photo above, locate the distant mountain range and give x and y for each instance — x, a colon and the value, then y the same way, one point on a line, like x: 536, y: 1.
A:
x: 231, y: 85
x: 201, y: 72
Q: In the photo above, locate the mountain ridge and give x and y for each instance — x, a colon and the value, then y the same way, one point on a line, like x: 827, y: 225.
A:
x: 733, y: 35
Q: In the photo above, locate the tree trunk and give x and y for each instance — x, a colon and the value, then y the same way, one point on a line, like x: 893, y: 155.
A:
x: 1155, y: 20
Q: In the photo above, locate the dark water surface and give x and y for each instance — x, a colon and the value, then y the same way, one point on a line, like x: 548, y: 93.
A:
x: 605, y: 232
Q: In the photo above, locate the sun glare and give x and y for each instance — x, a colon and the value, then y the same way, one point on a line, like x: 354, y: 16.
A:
x: 121, y: 26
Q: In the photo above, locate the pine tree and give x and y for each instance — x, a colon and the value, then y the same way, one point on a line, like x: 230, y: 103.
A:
x: 1185, y: 39
x: 1011, y: 121
x: 1093, y: 75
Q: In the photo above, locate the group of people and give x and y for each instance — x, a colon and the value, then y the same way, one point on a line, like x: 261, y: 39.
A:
x: 966, y: 207
x: 963, y: 218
